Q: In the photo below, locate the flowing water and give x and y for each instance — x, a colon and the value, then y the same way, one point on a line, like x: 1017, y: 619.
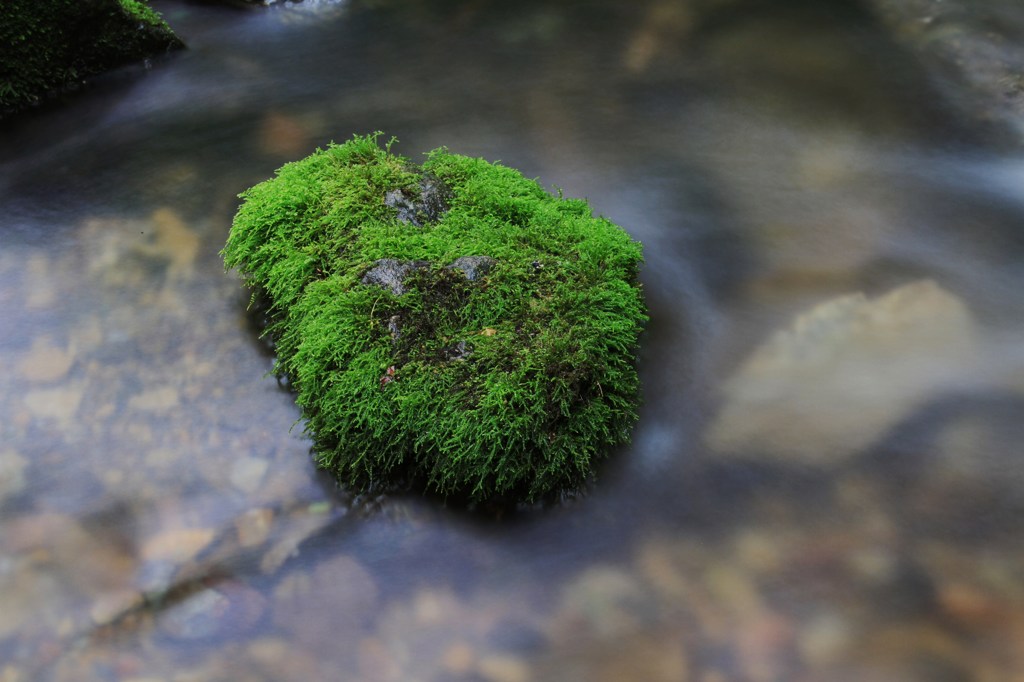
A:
x: 826, y: 480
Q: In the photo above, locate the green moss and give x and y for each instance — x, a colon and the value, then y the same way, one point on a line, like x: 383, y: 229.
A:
x: 47, y: 45
x: 506, y: 375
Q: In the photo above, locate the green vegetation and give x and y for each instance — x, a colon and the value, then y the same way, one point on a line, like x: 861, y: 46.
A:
x: 47, y: 45
x: 449, y: 326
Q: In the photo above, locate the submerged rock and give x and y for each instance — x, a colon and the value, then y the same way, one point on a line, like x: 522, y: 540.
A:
x: 12, y: 473
x: 49, y: 45
x: 453, y: 326
x: 844, y: 373
x: 972, y: 50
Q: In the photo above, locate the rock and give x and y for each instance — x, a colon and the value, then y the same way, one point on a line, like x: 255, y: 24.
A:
x: 503, y: 669
x: 46, y: 361
x: 282, y: 659
x: 824, y: 639
x: 294, y: 530
x: 435, y: 635
x: 393, y: 391
x: 973, y: 53
x: 763, y: 644
x: 59, y: 404
x: 458, y: 659
x: 653, y: 656
x: 973, y: 453
x: 283, y: 136
x: 428, y: 207
x: 327, y: 608
x: 390, y: 274
x: 376, y: 662
x: 247, y: 473
x: 109, y: 606
x: 733, y: 589
x: 228, y: 610
x: 844, y: 373
x: 49, y: 45
x: 603, y: 601
x: 459, y: 351
x: 971, y: 607
x: 42, y: 288
x: 154, y: 400
x: 913, y: 653
x: 12, y: 473
x: 177, y: 545
x: 175, y: 242
x: 473, y: 267
x: 253, y: 527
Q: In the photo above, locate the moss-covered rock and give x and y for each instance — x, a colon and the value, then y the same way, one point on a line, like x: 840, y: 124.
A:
x: 47, y: 45
x: 451, y: 326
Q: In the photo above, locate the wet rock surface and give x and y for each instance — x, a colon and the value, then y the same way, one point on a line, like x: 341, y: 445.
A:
x: 972, y: 50
x: 846, y: 372
x: 425, y: 207
x: 391, y: 274
x: 473, y: 267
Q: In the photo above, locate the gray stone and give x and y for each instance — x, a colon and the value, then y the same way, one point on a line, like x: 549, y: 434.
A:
x: 473, y: 267
x: 390, y: 273
x: 428, y: 207
x: 405, y: 206
x: 458, y: 351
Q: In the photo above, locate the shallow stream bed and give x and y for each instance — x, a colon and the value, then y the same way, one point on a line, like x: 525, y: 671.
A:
x: 826, y: 482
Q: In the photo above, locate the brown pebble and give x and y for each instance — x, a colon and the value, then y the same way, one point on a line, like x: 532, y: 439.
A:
x: 45, y: 361
x: 764, y: 643
x: 155, y: 400
x: 376, y: 663
x: 60, y: 404
x: 503, y: 669
x: 11, y: 674
x: 109, y: 606
x: 660, y: 658
x: 283, y: 659
x: 282, y: 135
x: 231, y: 608
x: 458, y: 659
x: 970, y: 606
x: 178, y: 545
x: 253, y: 527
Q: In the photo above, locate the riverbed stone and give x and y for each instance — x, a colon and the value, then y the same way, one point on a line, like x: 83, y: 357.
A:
x: 229, y: 609
x: 972, y: 52
x: 12, y: 473
x: 328, y: 607
x: 155, y: 399
x: 56, y: 404
x: 247, y: 473
x: 46, y: 361
x: 176, y: 545
x: 844, y: 373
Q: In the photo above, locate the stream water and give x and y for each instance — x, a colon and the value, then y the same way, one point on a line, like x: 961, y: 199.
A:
x: 826, y: 480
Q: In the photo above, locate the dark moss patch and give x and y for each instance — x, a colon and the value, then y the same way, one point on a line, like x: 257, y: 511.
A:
x: 476, y: 339
x: 49, y: 45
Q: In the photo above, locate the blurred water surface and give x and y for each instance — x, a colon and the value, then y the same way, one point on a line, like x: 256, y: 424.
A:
x: 826, y: 481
